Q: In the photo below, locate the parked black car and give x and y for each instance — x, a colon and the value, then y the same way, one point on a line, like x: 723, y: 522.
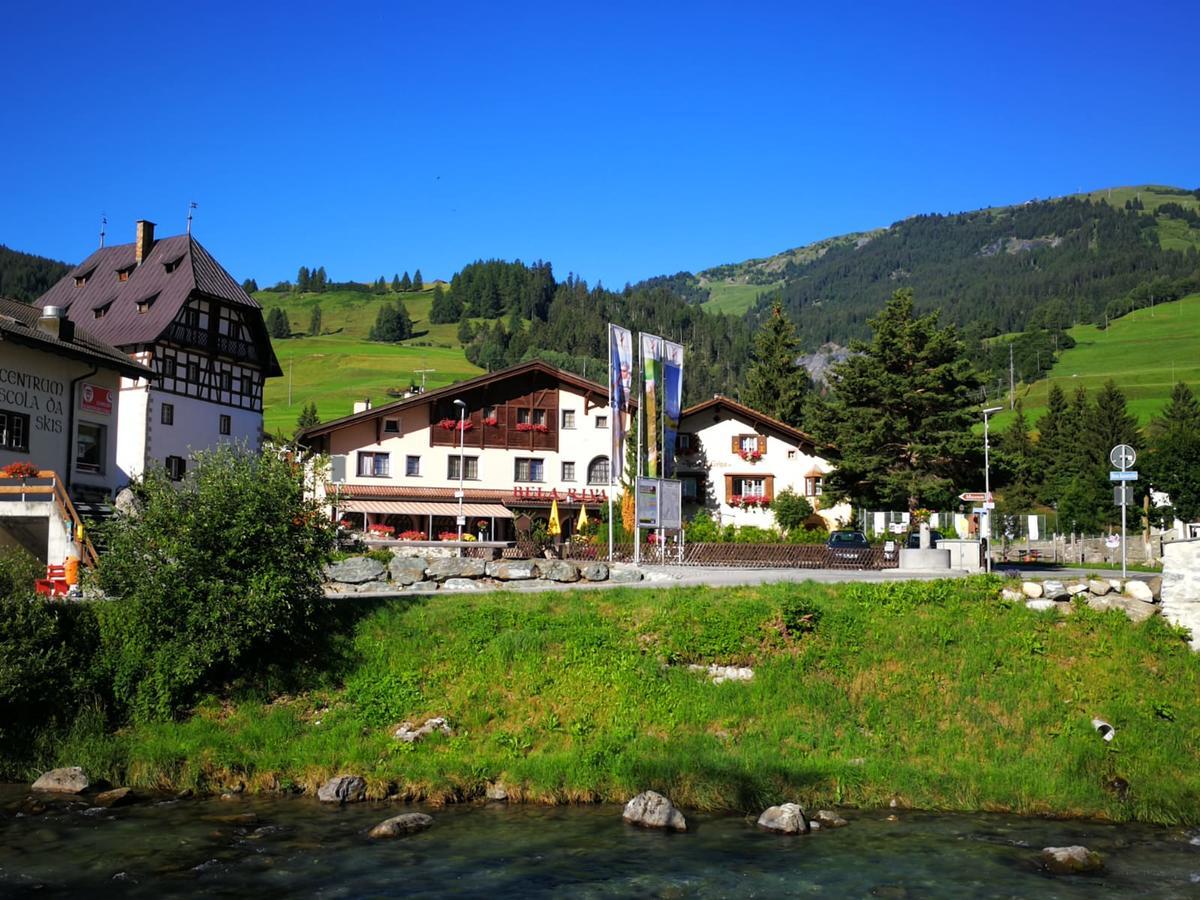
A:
x: 848, y: 547
x: 913, y: 541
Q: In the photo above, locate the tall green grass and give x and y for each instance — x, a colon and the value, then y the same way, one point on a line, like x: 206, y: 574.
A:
x: 935, y: 695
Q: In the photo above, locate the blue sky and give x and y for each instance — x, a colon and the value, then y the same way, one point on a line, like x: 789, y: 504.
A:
x: 616, y: 140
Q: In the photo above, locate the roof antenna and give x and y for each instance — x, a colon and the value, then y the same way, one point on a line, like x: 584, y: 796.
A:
x: 192, y: 205
x: 103, y: 225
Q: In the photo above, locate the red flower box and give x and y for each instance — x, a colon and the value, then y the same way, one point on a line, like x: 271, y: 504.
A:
x: 20, y: 470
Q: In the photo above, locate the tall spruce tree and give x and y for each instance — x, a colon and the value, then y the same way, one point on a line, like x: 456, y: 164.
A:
x: 392, y: 323
x: 1018, y: 463
x: 277, y: 323
x: 308, y: 417
x: 1173, y: 458
x: 418, y: 284
x: 314, y: 322
x: 775, y: 384
x: 406, y: 283
x: 900, y: 412
x: 396, y: 283
x: 1053, y: 445
x: 1111, y: 423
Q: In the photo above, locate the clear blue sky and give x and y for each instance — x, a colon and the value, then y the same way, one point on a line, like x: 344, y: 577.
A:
x: 616, y: 140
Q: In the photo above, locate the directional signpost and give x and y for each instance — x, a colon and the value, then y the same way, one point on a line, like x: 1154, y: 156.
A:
x: 1122, y: 457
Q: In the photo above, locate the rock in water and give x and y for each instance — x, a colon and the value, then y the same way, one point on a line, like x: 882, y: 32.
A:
x: 650, y: 809
x: 398, y: 826
x: 71, y: 780
x: 121, y: 796
x: 1071, y: 860
x: 829, y: 819
x: 787, y: 818
x: 343, y: 789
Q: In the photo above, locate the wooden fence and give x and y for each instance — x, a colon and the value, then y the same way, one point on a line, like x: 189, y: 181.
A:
x: 753, y: 556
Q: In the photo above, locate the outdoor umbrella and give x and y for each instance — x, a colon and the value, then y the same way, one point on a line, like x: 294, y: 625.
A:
x: 583, y: 519
x: 555, y: 527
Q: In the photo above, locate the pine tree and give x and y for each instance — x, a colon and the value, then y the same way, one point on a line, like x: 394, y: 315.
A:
x: 1173, y: 458
x: 249, y: 285
x: 319, y: 280
x: 396, y: 283
x: 303, y: 279
x: 1018, y: 463
x: 900, y: 412
x: 445, y: 308
x: 405, y: 283
x: 1111, y: 423
x: 775, y: 384
x: 466, y: 331
x: 392, y: 324
x: 1053, y: 445
x: 277, y: 323
x: 308, y: 417
x: 417, y: 283
x: 314, y: 323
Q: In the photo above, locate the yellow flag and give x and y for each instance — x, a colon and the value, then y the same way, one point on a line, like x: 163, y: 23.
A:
x: 555, y: 526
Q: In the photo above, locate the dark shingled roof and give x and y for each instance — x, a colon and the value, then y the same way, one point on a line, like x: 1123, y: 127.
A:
x: 192, y: 270
x: 19, y: 324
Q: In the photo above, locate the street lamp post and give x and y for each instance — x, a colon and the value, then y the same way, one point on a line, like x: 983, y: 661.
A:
x: 462, y: 441
x: 987, y: 484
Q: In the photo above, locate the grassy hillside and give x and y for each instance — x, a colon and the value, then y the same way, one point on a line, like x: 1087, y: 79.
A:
x: 727, y: 297
x: 1145, y: 352
x: 932, y: 694
x: 341, y: 366
x: 1172, y: 233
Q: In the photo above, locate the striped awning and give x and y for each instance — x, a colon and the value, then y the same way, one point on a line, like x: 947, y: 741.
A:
x: 425, y: 508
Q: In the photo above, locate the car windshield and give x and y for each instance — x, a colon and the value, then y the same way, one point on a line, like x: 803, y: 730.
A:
x: 847, y: 537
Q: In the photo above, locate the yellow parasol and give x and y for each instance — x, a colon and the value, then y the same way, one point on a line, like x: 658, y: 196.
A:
x: 555, y: 527
x: 583, y: 519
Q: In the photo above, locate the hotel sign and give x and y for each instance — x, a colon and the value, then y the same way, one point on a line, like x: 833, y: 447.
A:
x: 571, y: 495
x: 94, y: 398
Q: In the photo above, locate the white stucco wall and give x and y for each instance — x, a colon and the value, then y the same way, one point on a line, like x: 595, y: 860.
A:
x: 784, y: 459
x: 49, y: 402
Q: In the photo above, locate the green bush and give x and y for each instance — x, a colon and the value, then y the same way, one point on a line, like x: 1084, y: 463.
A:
x: 807, y: 536
x: 791, y: 510
x: 211, y: 577
x: 701, y: 529
x: 18, y: 571
x: 752, y: 534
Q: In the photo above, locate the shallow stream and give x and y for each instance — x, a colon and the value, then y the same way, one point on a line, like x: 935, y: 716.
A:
x: 295, y: 847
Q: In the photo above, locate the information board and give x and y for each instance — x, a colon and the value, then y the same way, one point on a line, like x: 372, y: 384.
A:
x: 670, y: 504
x: 646, y: 502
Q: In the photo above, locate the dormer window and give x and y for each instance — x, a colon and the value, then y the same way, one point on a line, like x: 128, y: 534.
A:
x: 80, y: 280
x: 171, y: 265
x: 101, y: 311
x: 143, y: 306
x: 123, y: 274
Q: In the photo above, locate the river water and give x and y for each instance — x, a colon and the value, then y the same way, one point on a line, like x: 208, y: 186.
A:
x: 295, y: 847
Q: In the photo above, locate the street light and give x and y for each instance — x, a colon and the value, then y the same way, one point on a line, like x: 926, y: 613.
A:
x: 462, y: 440
x: 987, y: 484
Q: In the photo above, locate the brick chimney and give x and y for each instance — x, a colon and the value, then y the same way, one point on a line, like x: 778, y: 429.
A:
x: 145, y: 240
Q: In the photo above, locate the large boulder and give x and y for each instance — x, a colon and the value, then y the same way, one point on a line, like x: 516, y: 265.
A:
x: 1055, y: 590
x: 624, y: 575
x: 1154, y: 582
x: 455, y: 567
x: 560, y: 570
x: 1072, y: 860
x: 121, y: 796
x: 1032, y: 589
x: 514, y: 569
x: 373, y: 587
x: 1099, y: 587
x: 71, y: 780
x: 650, y: 809
x: 1139, y: 590
x: 343, y: 789
x: 1041, y: 605
x: 461, y: 584
x: 596, y: 571
x: 423, y: 586
x: 1077, y: 588
x: 787, y: 818
x: 407, y: 569
x: 827, y: 818
x: 1011, y: 595
x: 355, y: 570
x: 398, y: 826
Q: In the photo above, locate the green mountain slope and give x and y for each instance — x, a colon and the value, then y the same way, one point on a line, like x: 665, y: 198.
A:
x: 1145, y: 352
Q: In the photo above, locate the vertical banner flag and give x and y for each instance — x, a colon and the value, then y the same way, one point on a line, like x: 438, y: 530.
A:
x: 651, y: 393
x: 620, y: 383
x: 672, y: 403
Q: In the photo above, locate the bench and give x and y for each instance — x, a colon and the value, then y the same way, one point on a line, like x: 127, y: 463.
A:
x: 54, y: 584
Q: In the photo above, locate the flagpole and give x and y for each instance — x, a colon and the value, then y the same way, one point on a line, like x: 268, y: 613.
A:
x: 613, y: 412
x: 637, y: 531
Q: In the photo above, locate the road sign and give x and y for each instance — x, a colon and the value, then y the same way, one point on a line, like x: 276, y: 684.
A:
x: 1122, y: 456
x: 1113, y: 541
x: 1131, y: 475
x: 975, y: 497
x: 1123, y: 495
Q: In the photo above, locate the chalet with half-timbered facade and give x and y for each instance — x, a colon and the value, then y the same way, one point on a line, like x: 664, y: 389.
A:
x: 172, y: 308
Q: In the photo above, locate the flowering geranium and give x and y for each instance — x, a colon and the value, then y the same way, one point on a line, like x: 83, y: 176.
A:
x: 492, y: 421
x: 20, y: 470
x: 749, y: 501
x: 750, y: 455
x: 524, y: 426
x: 448, y: 536
x: 412, y: 535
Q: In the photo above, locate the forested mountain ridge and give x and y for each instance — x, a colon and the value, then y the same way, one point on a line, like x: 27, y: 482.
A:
x: 24, y: 276
x: 1065, y: 261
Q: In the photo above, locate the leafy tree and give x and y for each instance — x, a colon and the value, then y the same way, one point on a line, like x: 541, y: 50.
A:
x: 249, y: 285
x: 314, y: 322
x: 791, y: 510
x: 1173, y: 460
x: 277, y: 323
x: 392, y: 324
x: 418, y: 283
x: 405, y: 283
x: 900, y: 413
x: 775, y: 384
x: 212, y: 576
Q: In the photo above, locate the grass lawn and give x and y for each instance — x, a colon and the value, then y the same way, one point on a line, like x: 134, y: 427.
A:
x: 341, y: 366
x: 1145, y: 352
x: 933, y: 694
x: 734, y: 299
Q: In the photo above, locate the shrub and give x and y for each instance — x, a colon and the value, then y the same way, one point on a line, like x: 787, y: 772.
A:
x: 791, y: 510
x: 701, y: 529
x: 212, y: 575
x: 752, y: 534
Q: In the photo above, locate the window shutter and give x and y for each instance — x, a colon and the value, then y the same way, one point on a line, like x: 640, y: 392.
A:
x: 737, y: 443
x: 728, y: 487
x: 762, y: 445
x: 769, y: 487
